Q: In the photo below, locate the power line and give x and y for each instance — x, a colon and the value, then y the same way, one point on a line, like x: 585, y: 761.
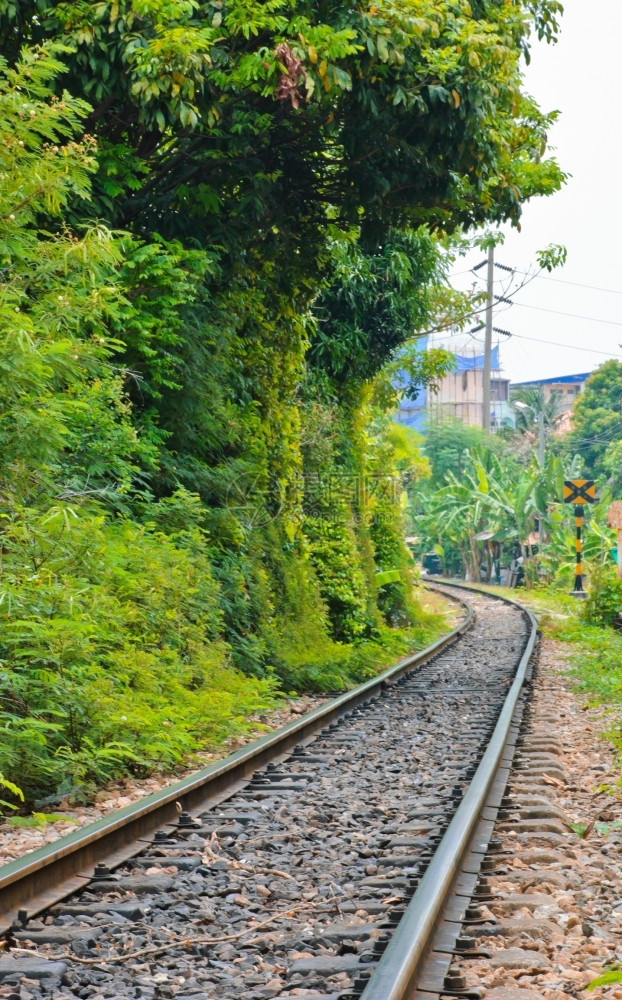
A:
x: 557, y: 312
x: 545, y: 277
x: 568, y: 347
x: 601, y: 439
x: 458, y: 274
x: 577, y: 284
x: 503, y: 300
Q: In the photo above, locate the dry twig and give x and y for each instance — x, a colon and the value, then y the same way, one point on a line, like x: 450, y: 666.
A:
x: 161, y: 949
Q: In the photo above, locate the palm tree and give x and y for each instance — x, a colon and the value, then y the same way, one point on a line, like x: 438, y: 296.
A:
x: 534, y: 407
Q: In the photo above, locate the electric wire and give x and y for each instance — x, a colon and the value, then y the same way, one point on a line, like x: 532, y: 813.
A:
x: 598, y: 440
x: 613, y: 432
x: 538, y: 274
x: 553, y: 343
x: 545, y: 277
x: 557, y: 312
x: 503, y: 303
x: 576, y: 284
x: 567, y: 347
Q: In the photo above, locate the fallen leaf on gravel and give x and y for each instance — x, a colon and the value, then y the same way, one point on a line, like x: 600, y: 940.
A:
x: 548, y: 780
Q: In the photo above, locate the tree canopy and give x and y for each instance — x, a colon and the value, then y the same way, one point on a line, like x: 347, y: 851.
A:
x: 597, y: 419
x: 235, y: 121
x: 221, y: 225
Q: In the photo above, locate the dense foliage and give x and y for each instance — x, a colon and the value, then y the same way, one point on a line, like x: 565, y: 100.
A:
x: 490, y: 494
x: 217, y: 232
x: 483, y: 490
x: 409, y: 108
x: 597, y: 423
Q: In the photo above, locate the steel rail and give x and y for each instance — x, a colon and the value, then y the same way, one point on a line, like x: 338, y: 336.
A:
x: 50, y: 874
x: 395, y: 973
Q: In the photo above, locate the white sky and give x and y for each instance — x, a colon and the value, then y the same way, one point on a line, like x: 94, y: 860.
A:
x: 579, y: 76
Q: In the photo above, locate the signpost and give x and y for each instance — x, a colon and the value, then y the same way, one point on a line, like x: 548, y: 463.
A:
x: 579, y: 492
x: 614, y: 520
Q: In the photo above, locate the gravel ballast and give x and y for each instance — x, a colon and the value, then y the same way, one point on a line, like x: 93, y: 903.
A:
x: 293, y: 885
x: 556, y: 912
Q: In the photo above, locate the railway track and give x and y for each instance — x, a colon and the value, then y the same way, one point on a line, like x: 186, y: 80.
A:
x: 315, y: 863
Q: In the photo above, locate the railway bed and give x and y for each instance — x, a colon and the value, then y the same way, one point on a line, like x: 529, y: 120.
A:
x: 324, y: 874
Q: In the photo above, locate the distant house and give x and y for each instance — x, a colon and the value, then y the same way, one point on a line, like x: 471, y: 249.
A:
x: 565, y: 388
x: 460, y: 395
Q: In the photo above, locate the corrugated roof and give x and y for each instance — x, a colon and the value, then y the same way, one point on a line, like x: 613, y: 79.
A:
x: 557, y: 380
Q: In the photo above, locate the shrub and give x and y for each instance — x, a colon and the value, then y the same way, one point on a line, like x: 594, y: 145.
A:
x: 604, y: 600
x: 111, y: 656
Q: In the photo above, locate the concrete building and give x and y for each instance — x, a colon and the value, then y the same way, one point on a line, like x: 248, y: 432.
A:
x: 460, y: 395
x: 565, y: 388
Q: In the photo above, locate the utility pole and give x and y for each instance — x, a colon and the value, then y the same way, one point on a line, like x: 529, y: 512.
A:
x: 541, y: 439
x: 541, y: 443
x: 488, y: 339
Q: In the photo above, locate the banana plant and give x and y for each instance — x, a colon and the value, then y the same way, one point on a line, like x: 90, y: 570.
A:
x: 598, y: 538
x: 493, y: 496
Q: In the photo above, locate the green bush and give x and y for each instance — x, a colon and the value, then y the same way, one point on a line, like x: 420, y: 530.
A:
x: 111, y: 655
x: 330, y: 529
x: 604, y: 600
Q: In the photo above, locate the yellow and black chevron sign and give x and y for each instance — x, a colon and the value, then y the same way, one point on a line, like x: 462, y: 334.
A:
x: 579, y: 491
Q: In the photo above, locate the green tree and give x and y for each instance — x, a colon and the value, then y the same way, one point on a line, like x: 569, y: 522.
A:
x: 597, y: 420
x: 65, y: 423
x: 491, y: 494
x: 448, y: 444
x: 373, y: 303
x: 189, y: 189
x: 93, y: 654
x: 253, y: 117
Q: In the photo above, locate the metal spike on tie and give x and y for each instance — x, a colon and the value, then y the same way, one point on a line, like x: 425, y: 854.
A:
x: 186, y: 821
x: 454, y: 980
x: 101, y: 872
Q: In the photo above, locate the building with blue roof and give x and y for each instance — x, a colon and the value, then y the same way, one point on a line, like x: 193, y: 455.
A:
x: 564, y: 388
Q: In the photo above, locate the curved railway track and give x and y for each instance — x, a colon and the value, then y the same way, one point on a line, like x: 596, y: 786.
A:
x: 314, y: 863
